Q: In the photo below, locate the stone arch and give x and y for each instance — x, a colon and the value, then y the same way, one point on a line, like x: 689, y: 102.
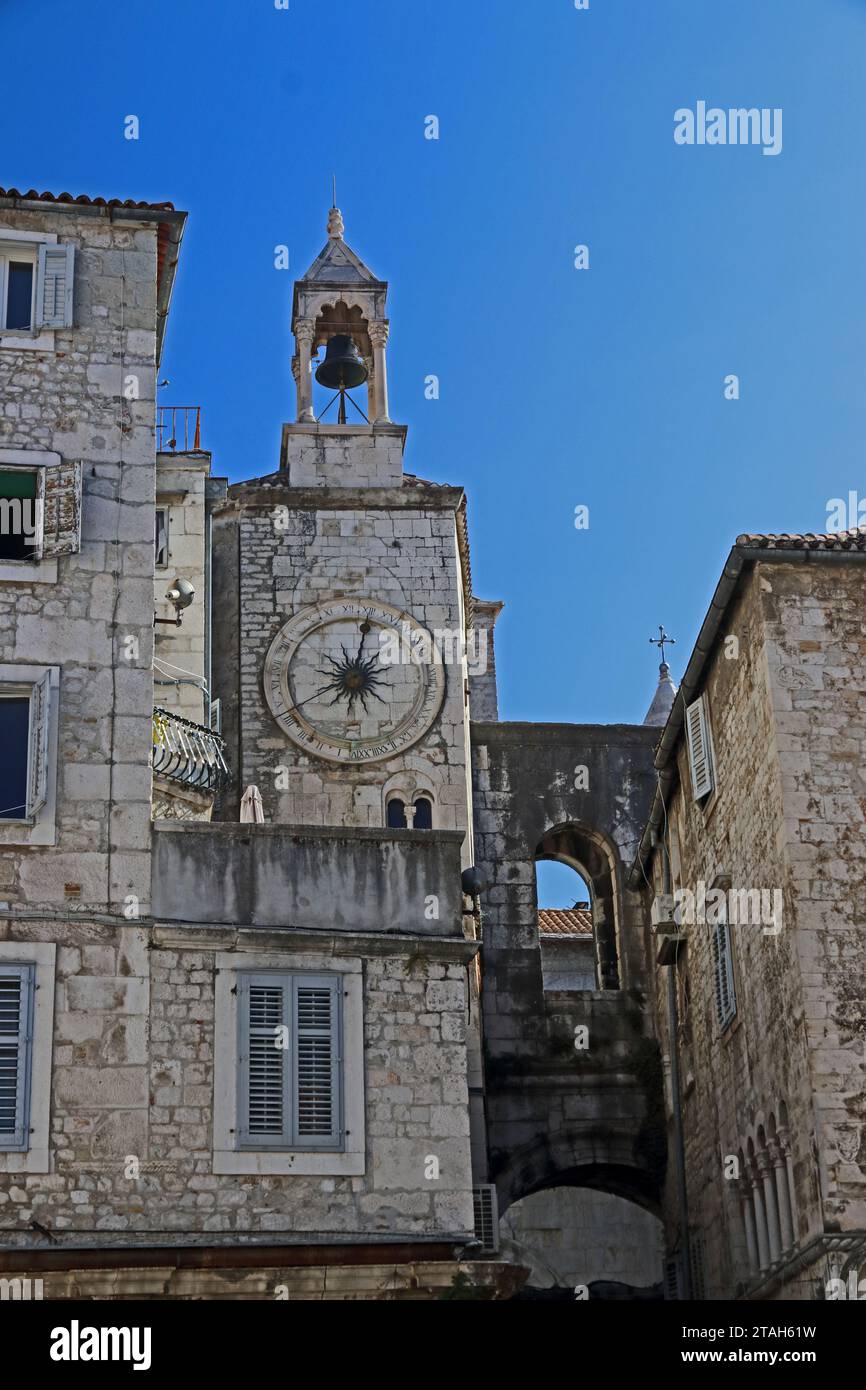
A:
x: 415, y: 779
x: 602, y: 1160
x: 593, y: 856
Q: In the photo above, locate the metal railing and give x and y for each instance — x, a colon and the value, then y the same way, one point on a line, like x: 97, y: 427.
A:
x: 178, y: 428
x: 188, y: 753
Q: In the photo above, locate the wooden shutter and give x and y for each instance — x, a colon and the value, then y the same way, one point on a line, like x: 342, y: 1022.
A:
x: 700, y: 754
x: 61, y: 488
x: 16, y: 990
x: 37, y: 763
x: 263, y: 1091
x: 54, y: 287
x: 317, y: 1061
x: 726, y: 1003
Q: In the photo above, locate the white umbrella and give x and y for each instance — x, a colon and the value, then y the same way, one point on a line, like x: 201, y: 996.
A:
x: 252, y: 809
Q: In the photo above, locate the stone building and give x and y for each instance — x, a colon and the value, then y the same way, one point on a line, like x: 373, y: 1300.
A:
x: 280, y: 1015
x: 755, y: 852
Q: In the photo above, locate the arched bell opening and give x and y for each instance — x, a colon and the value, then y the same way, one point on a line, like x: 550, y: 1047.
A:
x: 342, y: 362
x: 587, y: 855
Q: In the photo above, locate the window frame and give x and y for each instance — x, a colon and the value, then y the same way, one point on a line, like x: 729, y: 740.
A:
x: 231, y: 1154
x: 37, y: 826
x: 37, y: 471
x: 8, y: 253
x: 35, y: 337
x: 40, y: 957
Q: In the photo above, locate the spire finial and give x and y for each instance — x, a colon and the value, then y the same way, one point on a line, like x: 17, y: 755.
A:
x: 661, y: 642
x: 335, y: 217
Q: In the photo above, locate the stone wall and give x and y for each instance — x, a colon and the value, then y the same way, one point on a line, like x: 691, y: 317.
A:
x: 571, y: 1236
x: 786, y: 710
x: 132, y: 1113
x: 92, y: 613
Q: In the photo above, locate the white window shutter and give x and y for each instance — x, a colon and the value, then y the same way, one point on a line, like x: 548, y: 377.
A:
x: 317, y: 1061
x: 700, y: 752
x: 37, y: 767
x: 16, y: 985
x: 54, y: 286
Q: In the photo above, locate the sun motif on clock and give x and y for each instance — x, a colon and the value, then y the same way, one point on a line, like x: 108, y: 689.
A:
x: 351, y: 681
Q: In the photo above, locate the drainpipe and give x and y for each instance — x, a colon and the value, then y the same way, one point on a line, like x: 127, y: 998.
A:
x: 679, y: 1142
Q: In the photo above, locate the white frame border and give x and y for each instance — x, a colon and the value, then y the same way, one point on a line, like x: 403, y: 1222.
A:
x: 36, y: 1158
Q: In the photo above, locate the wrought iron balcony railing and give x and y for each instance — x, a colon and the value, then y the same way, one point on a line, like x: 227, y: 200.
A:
x: 178, y: 428
x: 188, y: 753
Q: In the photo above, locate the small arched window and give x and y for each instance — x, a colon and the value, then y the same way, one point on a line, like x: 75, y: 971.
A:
x: 396, y: 813
x: 423, y: 814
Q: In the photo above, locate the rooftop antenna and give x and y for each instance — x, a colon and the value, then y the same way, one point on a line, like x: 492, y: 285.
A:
x: 662, y: 641
x: 334, y: 190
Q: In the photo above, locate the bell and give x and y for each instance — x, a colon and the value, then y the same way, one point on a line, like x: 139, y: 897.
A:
x: 343, y: 367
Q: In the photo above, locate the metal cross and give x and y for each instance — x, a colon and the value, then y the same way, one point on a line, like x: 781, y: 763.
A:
x: 661, y: 641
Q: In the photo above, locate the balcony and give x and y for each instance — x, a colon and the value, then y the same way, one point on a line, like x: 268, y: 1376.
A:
x: 188, y: 754
x: 178, y: 429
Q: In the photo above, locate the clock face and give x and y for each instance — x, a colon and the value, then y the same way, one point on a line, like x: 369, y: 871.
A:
x: 351, y: 680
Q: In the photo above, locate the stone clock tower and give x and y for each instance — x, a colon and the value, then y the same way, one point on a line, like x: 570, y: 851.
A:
x: 342, y: 598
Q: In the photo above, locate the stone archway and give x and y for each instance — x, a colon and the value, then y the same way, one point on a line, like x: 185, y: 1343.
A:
x: 589, y: 853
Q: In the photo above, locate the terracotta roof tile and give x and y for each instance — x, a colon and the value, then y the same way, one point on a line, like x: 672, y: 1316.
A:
x: 573, y: 921
x: 31, y: 196
x: 854, y: 539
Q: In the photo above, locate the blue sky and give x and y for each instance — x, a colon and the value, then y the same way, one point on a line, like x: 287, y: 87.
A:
x: 559, y: 387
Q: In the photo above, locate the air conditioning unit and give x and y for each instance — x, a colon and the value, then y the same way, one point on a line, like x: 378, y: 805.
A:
x: 486, y: 1209
x: 662, y: 914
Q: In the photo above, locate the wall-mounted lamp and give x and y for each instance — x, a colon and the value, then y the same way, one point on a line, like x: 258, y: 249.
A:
x: 180, y: 596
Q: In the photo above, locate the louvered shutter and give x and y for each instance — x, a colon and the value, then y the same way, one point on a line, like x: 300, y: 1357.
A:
x: 317, y: 1062
x: 726, y: 1004
x: 486, y: 1214
x: 54, y: 287
x: 37, y: 763
x: 16, y: 989
x: 672, y: 1279
x: 264, y: 1068
x: 700, y: 753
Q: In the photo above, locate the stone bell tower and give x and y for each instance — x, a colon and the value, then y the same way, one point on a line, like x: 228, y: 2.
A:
x: 340, y: 298
x: 343, y: 596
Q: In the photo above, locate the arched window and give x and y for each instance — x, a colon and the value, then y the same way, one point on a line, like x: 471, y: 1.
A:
x: 423, y: 813
x: 396, y: 813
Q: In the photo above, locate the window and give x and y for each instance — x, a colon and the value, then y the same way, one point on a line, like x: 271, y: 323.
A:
x: 20, y: 514
x: 418, y: 816
x: 16, y: 995
x: 700, y: 748
x: 726, y: 999
x: 35, y: 284
x: 24, y: 737
x: 40, y: 513
x: 28, y: 737
x: 161, y: 538
x: 26, y: 1019
x: 289, y: 1061
x: 293, y: 1109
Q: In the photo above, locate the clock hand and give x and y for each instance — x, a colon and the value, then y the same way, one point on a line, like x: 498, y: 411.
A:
x: 365, y: 628
x: 314, y: 696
